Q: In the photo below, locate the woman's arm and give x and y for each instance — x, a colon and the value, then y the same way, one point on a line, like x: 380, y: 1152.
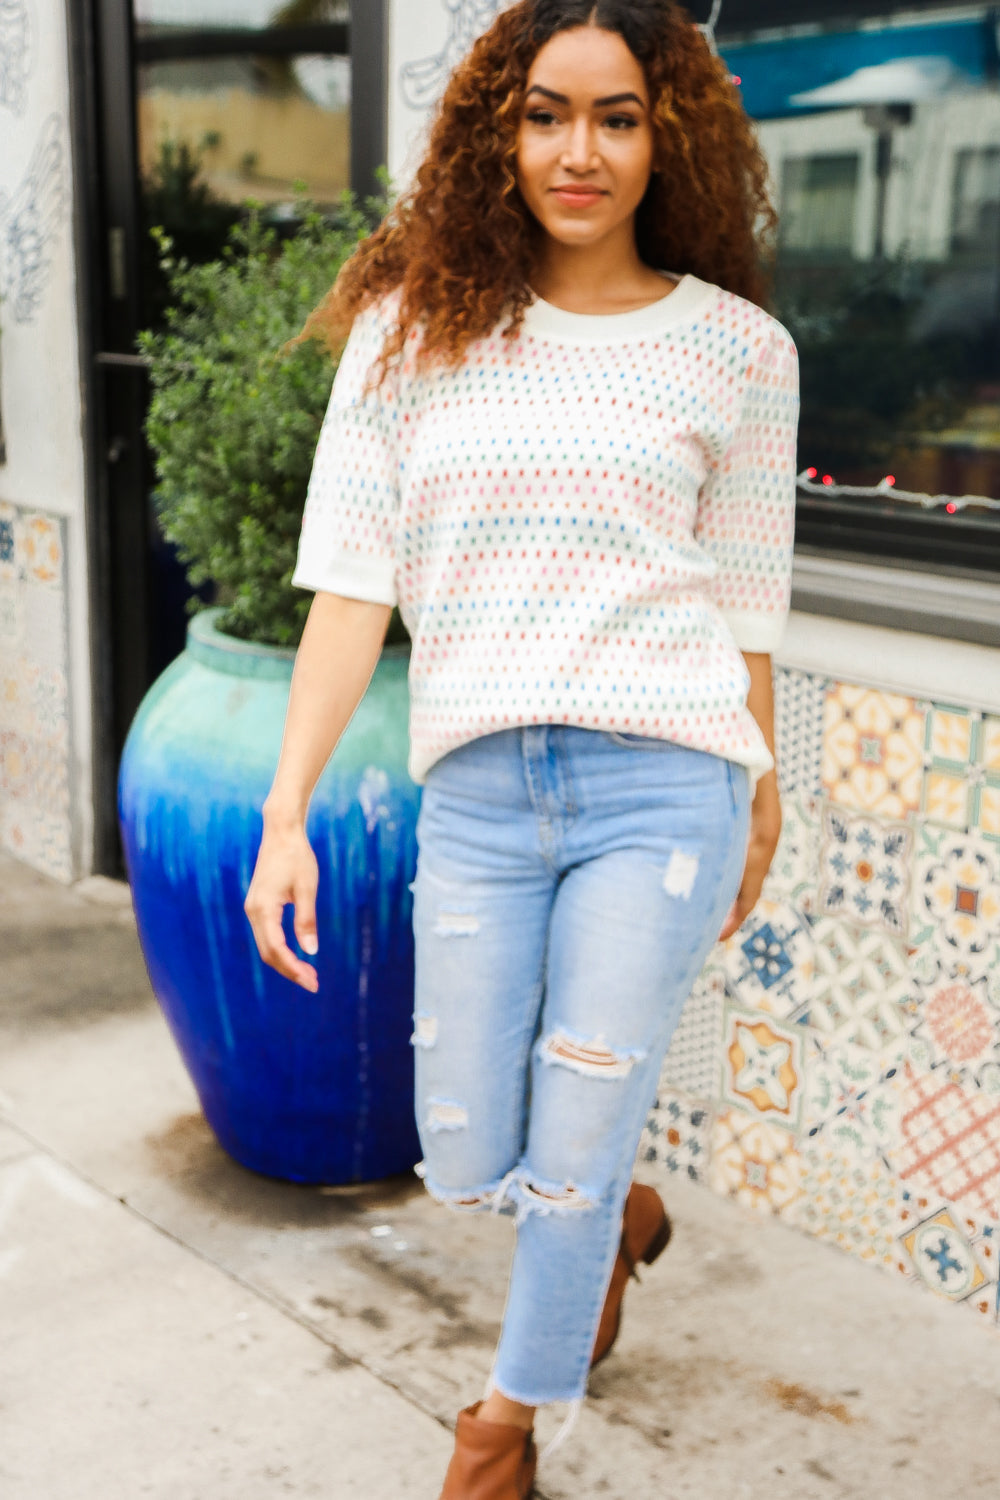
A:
x: 765, y: 817
x: 336, y: 658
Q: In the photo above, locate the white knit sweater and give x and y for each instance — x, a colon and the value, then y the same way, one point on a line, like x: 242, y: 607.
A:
x: 584, y: 526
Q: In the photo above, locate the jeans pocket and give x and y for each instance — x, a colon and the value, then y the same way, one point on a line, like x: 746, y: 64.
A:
x: 638, y: 741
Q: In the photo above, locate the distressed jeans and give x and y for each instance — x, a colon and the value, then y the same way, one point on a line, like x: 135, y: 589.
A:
x: 570, y: 883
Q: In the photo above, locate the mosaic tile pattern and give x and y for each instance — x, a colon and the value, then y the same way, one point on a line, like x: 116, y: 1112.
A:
x: 839, y: 1061
x: 949, y: 1142
x: 853, y: 1204
x: 792, y: 875
x: 754, y: 1162
x: 768, y: 963
x: 34, y: 695
x: 962, y: 776
x: 951, y: 1254
x: 677, y: 1136
x: 954, y: 1022
x: 863, y: 984
x: 798, y: 730
x: 693, y: 1059
x: 956, y: 897
x: 873, y: 751
x: 762, y: 1067
x: 865, y: 871
x: 853, y: 1096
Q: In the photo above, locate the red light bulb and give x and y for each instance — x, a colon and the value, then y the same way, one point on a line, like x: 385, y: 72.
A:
x: 811, y: 473
x: 951, y: 507
x: 827, y: 478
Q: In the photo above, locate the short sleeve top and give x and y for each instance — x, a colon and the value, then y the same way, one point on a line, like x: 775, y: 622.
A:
x: 587, y: 524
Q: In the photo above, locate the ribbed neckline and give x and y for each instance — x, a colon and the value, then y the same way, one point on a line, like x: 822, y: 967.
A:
x: 686, y: 301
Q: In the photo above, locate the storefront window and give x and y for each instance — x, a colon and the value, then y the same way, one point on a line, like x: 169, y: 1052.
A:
x: 882, y: 133
x: 236, y: 103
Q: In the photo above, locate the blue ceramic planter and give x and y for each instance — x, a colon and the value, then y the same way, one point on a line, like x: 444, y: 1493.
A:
x: 308, y: 1088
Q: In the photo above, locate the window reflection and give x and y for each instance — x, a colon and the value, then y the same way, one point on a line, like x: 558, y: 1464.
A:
x: 216, y: 13
x: 883, y: 138
x: 226, y: 114
x: 258, y: 124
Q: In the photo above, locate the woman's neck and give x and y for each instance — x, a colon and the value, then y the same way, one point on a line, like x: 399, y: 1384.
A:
x: 595, y: 278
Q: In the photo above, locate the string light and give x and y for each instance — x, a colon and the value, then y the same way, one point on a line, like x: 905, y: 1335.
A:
x: 807, y: 481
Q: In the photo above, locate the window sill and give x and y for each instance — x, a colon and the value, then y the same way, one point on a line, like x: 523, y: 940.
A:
x: 925, y: 634
x: 961, y: 605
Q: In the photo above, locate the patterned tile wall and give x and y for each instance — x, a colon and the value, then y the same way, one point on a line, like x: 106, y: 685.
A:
x: 34, y: 700
x: 838, y: 1063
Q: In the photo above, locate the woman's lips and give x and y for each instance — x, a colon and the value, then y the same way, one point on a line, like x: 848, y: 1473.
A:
x: 577, y: 197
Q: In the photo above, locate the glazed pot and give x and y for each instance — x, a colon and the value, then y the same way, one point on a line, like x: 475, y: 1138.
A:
x: 311, y: 1088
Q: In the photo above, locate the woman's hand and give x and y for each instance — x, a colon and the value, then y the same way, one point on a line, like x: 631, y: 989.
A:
x: 337, y: 655
x: 286, y: 874
x: 765, y: 830
x: 765, y: 815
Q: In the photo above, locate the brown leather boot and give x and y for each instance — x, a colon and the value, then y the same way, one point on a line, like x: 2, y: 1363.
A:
x: 492, y: 1461
x: 646, y: 1232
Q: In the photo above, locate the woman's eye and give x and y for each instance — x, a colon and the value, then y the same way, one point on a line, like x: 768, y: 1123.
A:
x: 622, y: 122
x: 540, y: 117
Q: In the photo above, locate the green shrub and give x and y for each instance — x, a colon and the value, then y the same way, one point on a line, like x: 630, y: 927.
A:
x: 234, y: 418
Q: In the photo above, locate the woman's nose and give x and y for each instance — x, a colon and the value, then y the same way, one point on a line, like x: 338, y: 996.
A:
x: 579, y: 150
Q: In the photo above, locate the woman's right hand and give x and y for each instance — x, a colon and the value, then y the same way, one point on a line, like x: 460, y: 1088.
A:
x: 286, y: 874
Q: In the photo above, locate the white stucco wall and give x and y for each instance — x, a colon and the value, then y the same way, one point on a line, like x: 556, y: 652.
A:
x: 45, y: 705
x: 426, y: 40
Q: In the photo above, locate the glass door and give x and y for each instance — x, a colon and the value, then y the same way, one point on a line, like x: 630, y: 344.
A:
x: 186, y: 111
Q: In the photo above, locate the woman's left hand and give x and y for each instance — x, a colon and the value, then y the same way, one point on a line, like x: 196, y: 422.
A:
x: 765, y: 830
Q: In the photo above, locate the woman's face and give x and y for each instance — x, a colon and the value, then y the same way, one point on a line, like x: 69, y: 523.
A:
x: 585, y: 143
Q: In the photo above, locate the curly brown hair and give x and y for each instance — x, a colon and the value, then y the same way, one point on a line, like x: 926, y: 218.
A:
x: 461, y: 245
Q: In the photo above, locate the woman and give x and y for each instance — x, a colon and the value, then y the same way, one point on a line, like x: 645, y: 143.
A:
x: 562, y: 439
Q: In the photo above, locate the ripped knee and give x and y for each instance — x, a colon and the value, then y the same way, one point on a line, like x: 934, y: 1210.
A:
x: 595, y: 1059
x: 446, y: 1114
x: 492, y: 1197
x: 456, y: 924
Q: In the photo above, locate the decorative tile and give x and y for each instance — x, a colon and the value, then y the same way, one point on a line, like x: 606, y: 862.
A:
x: 954, y: 1022
x: 41, y: 548
x: 862, y: 984
x: 949, y: 1142
x: 677, y: 1135
x: 957, y: 896
x: 43, y: 623
x: 962, y: 777
x: 853, y: 1097
x: 50, y: 698
x: 873, y: 751
x: 795, y: 868
x: 754, y: 1162
x: 762, y: 1067
x: 8, y: 554
x: 768, y: 963
x: 16, y: 764
x: 692, y: 1063
x: 52, y: 834
x: 11, y: 613
x: 864, y: 871
x: 798, y: 730
x: 34, y: 695
x: 851, y: 1203
x: 952, y: 1254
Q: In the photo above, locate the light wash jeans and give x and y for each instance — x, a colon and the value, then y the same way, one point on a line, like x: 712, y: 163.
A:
x: 570, y: 883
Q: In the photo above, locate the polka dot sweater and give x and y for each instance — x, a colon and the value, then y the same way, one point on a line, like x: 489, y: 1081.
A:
x: 586, y: 525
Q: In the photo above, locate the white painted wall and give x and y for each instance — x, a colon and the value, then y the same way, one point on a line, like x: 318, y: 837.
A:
x: 426, y: 39
x: 39, y: 370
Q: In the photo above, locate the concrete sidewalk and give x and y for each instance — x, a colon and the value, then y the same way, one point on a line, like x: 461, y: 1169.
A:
x: 172, y: 1325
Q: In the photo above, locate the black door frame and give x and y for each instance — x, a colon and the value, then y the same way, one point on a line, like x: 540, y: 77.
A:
x: 103, y: 55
